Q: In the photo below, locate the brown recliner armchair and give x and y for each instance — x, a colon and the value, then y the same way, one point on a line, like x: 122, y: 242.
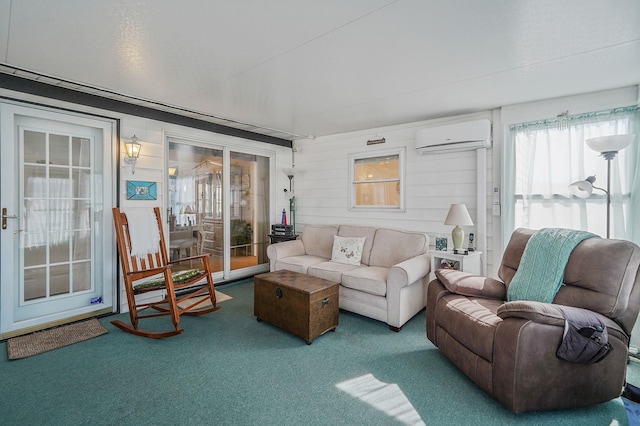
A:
x: 509, y: 348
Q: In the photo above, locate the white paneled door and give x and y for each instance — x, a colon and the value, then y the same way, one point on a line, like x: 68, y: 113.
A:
x: 55, y: 240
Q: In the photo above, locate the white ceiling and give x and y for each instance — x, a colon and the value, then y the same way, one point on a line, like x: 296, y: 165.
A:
x: 318, y: 67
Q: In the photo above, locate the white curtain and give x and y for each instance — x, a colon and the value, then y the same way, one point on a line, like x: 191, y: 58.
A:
x: 543, y: 158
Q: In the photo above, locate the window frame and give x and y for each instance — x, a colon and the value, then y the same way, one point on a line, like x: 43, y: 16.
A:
x: 353, y: 157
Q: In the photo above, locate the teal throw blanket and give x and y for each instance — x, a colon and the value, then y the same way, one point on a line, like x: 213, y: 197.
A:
x: 543, y: 262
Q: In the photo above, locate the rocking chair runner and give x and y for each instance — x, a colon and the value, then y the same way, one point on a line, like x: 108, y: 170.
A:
x: 136, y: 269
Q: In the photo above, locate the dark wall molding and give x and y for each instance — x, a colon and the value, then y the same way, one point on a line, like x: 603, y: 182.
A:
x: 33, y: 87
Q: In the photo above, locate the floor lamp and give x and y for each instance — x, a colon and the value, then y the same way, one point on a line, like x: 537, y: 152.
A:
x: 608, y: 147
x: 291, y: 197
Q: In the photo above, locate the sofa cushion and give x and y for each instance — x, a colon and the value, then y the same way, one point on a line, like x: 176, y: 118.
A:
x: 370, y: 279
x: 318, y: 240
x: 360, y: 231
x: 543, y: 262
x: 471, y: 285
x: 513, y: 253
x: 347, y: 250
x: 362, y: 303
x: 331, y: 271
x: 599, y: 277
x: 471, y: 321
x: 391, y: 247
x: 587, y: 284
x: 299, y: 264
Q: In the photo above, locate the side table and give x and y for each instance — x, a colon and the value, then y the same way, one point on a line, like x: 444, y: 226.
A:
x: 462, y: 262
x: 280, y: 238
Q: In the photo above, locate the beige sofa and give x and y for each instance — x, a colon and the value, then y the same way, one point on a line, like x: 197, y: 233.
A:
x: 388, y: 284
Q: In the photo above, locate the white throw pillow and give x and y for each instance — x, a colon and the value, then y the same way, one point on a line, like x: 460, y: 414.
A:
x: 347, y: 250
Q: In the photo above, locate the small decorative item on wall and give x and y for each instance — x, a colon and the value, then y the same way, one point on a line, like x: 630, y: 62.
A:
x: 138, y: 190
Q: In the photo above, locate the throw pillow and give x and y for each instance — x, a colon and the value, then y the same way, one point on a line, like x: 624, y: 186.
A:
x: 347, y: 250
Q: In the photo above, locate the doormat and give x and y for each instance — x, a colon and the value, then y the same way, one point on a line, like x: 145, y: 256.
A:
x: 53, y: 338
x: 220, y: 297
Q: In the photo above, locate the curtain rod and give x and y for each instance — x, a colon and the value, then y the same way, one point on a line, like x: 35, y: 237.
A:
x: 587, y: 116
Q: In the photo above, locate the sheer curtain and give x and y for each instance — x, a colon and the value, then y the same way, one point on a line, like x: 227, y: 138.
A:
x: 544, y: 157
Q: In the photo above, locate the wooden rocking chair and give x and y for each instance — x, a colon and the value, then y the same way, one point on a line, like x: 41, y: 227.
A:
x: 142, y: 271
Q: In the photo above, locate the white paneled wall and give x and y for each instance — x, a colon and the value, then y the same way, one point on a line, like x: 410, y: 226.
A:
x: 321, y: 167
x: 432, y: 182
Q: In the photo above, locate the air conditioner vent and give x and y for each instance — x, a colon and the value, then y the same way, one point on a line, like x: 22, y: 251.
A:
x: 464, y: 136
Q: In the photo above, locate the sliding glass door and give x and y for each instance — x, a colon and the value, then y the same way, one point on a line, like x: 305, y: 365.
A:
x: 218, y: 204
x: 248, y: 210
x: 195, y: 187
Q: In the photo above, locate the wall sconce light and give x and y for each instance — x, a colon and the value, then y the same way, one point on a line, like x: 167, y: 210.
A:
x: 173, y: 171
x: 132, y: 152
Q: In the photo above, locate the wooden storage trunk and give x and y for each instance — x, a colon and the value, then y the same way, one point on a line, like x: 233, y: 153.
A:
x: 303, y: 305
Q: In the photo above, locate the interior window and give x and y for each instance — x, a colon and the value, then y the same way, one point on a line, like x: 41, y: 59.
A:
x: 377, y: 180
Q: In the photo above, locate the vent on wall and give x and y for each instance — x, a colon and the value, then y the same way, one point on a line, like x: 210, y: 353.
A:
x: 465, y: 136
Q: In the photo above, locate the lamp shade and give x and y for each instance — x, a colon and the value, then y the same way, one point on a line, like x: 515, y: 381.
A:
x: 133, y: 148
x: 613, y: 143
x: 583, y: 188
x: 458, y: 215
x: 288, y: 171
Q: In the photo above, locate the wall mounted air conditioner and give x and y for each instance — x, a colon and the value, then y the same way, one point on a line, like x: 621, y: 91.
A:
x: 454, y: 137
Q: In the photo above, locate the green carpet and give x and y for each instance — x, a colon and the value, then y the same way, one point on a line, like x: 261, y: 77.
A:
x: 229, y: 369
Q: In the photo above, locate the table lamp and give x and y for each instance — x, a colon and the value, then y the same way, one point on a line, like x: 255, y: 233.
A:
x: 459, y: 216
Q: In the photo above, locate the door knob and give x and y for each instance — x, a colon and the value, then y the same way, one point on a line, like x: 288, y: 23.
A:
x: 5, y: 217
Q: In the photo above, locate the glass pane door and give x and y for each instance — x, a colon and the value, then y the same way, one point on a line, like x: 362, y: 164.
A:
x: 217, y: 208
x: 249, y: 210
x: 57, y: 215
x: 195, y: 203
x: 56, y: 245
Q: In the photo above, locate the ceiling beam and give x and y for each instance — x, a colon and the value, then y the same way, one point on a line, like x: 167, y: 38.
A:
x: 24, y: 85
